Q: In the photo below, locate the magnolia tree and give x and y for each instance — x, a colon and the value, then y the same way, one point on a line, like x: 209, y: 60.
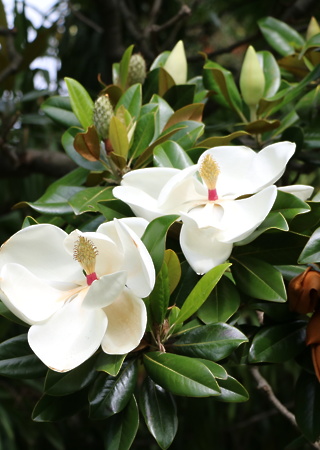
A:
x: 161, y: 267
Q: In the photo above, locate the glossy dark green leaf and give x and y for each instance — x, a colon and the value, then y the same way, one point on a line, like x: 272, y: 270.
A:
x: 121, y: 429
x: 171, y: 154
x: 214, y: 341
x: 232, y: 391
x: 124, y: 66
x: 143, y: 134
x: 59, y: 109
x: 67, y: 141
x: 109, y: 395
x: 280, y: 36
x: 278, y: 343
x: 88, y: 200
x: 159, y: 411
x: 55, y: 199
x: 276, y: 248
x: 160, y: 296
x: 18, y: 361
x: 50, y: 409
x: 221, y: 81
x: 154, y: 238
x: 307, y: 412
x: 271, y: 73
x: 289, y: 205
x: 81, y: 102
x: 66, y: 383
x: 109, y: 363
x: 274, y: 220
x: 180, y: 95
x: 258, y: 279
x: 201, y: 291
x: 181, y: 375
x: 188, y: 132
x: 131, y: 100
x: 311, y: 252
x: 221, y: 304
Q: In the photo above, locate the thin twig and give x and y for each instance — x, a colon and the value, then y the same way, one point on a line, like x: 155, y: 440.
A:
x: 184, y: 11
x: 265, y: 387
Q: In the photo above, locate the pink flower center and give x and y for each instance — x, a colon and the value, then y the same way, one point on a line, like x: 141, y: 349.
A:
x: 209, y: 171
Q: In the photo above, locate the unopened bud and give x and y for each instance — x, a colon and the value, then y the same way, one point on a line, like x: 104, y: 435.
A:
x: 102, y: 114
x: 252, y: 81
x: 313, y: 28
x: 304, y: 291
x: 137, y: 69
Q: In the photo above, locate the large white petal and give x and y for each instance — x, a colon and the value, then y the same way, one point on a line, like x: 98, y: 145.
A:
x: 241, y: 217
x: 109, y: 258
x: 137, y: 261
x: 244, y: 171
x: 150, y: 180
x: 137, y: 224
x: 200, y: 246
x: 299, y: 190
x: 141, y: 203
x: 69, y: 337
x: 104, y: 291
x: 27, y: 296
x: 40, y: 249
x: 127, y: 321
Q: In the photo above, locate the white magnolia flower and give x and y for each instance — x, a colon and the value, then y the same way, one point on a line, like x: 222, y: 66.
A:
x: 78, y: 291
x: 221, y: 200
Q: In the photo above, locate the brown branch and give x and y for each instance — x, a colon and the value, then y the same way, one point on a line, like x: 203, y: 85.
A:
x: 265, y: 387
x: 90, y: 23
x: 184, y: 12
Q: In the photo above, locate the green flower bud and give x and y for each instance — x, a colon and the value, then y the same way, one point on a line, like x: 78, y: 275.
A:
x: 102, y: 114
x: 313, y: 28
x: 137, y: 69
x: 252, y: 81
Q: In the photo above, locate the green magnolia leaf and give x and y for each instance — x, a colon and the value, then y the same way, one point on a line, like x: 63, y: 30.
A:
x: 283, y: 248
x: 216, y: 370
x: 154, y: 238
x: 232, y: 391
x: 171, y: 154
x: 189, y: 112
x: 201, y: 291
x: 81, y: 102
x: 289, y: 205
x: 271, y: 73
x: 174, y: 269
x: 118, y: 137
x: 121, y: 429
x: 60, y: 384
x: 278, y: 343
x: 18, y: 361
x: 110, y: 363
x: 214, y: 341
x: 273, y: 220
x: 179, y: 96
x: 221, y: 304
x: 258, y: 279
x: 159, y: 411
x: 50, y: 409
x: 280, y: 36
x: 188, y: 134
x: 143, y: 134
x: 311, y: 252
x: 262, y: 126
x: 88, y: 200
x: 181, y: 375
x: 164, y: 112
x: 215, y: 141
x: 160, y: 296
x: 124, y: 67
x: 221, y: 82
x: 132, y: 100
x: 67, y: 141
x: 109, y: 395
x: 59, y: 109
x: 307, y: 398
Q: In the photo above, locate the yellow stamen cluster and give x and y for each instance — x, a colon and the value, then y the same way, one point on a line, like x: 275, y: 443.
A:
x: 85, y: 253
x: 209, y: 171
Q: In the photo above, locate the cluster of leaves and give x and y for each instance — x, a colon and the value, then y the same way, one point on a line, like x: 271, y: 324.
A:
x: 195, y: 324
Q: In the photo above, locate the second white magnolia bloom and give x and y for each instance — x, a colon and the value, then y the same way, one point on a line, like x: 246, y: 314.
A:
x: 78, y: 291
x: 221, y: 200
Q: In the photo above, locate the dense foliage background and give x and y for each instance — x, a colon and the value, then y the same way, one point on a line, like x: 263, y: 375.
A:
x: 87, y: 38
